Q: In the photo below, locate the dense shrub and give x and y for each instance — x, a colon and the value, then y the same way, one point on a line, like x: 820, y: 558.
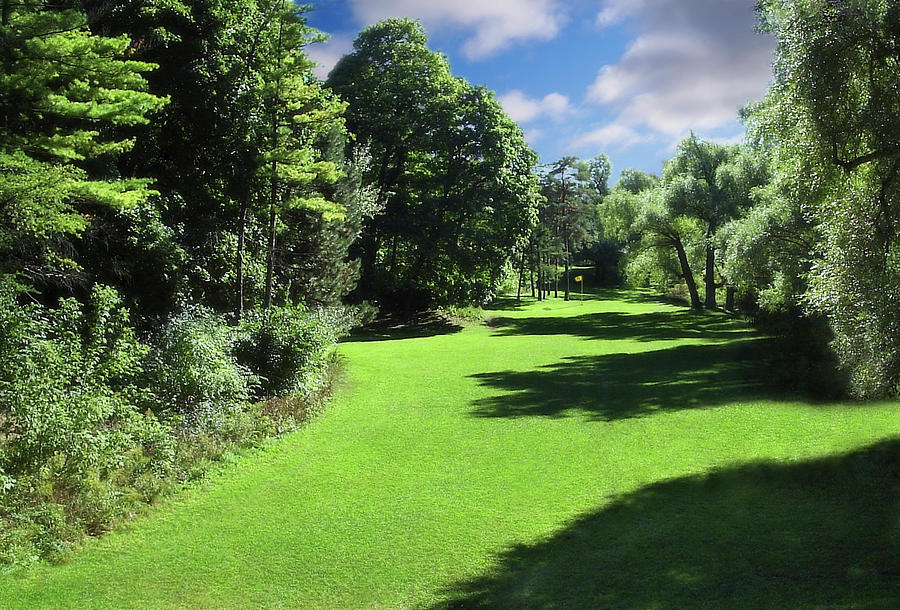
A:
x: 801, y: 357
x: 95, y: 423
x: 288, y: 348
x: 74, y: 447
x: 191, y: 370
x: 67, y: 385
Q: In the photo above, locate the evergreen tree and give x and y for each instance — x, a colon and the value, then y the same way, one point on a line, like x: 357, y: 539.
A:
x: 68, y: 102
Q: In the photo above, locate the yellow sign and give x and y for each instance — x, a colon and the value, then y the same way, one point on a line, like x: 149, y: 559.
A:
x: 577, y: 278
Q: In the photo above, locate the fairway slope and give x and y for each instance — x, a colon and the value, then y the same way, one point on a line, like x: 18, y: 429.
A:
x: 818, y: 533
x: 617, y: 451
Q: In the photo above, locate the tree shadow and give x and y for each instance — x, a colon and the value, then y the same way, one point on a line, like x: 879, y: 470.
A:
x: 619, y: 386
x: 508, y: 303
x: 388, y: 328
x: 814, y: 534
x: 656, y: 326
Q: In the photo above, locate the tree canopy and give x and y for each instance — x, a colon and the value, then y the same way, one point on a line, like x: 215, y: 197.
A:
x: 452, y: 172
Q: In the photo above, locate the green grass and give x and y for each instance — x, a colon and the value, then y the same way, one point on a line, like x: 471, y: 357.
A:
x: 616, y: 452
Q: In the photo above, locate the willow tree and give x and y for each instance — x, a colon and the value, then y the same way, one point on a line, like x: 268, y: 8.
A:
x: 638, y: 213
x: 710, y: 183
x: 833, y: 118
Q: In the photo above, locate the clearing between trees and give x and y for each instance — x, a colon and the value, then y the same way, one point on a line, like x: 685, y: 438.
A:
x: 618, y: 451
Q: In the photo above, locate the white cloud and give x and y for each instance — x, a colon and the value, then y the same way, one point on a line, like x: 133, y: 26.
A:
x: 328, y: 53
x: 727, y: 140
x: 612, y: 136
x: 524, y: 109
x: 533, y: 136
x: 693, y: 64
x: 497, y: 23
x: 615, y: 11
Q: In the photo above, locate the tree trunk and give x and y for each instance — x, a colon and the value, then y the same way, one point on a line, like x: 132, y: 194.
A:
x: 393, y: 256
x: 556, y: 278
x: 531, y: 267
x: 710, y: 277
x: 369, y: 243
x: 540, y: 277
x: 688, y: 275
x: 273, y: 192
x: 270, y: 251
x: 566, y: 265
x: 239, y: 272
x: 521, y: 276
x: 729, y: 298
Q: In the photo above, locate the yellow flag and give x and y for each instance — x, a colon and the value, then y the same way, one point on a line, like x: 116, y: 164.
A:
x: 577, y: 278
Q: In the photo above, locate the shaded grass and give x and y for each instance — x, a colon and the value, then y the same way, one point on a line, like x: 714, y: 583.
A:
x: 614, y: 325
x: 616, y: 386
x: 483, y: 467
x: 393, y: 328
x: 819, y: 533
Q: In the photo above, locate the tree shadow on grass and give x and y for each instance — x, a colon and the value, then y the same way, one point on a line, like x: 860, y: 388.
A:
x: 618, y: 386
x: 815, y: 534
x: 508, y: 303
x: 656, y: 326
x: 388, y: 328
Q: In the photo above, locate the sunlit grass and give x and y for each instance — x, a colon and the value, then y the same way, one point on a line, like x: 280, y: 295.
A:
x: 616, y: 452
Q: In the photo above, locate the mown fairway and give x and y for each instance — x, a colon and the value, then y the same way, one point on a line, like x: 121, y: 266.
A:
x: 618, y: 452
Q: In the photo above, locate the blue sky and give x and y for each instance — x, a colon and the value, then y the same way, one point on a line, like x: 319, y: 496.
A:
x: 628, y: 78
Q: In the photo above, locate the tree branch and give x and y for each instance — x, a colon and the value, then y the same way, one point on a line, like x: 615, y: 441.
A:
x: 852, y: 164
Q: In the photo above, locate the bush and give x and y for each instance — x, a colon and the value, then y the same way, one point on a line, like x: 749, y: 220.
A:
x: 288, y: 348
x: 94, y: 423
x: 67, y: 385
x: 801, y: 355
x: 191, y: 370
x: 72, y: 440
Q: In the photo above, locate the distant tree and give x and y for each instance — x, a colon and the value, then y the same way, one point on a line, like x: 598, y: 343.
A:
x: 638, y: 213
x: 711, y: 183
x: 450, y: 170
x: 600, y: 170
x: 572, y: 188
x: 635, y: 180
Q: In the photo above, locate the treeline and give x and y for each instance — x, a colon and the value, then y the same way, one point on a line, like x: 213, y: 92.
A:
x: 798, y: 226
x: 190, y: 219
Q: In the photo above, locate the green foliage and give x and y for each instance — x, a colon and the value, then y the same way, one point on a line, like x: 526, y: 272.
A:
x: 711, y: 184
x: 289, y: 348
x: 451, y: 171
x: 831, y: 119
x: 311, y: 262
x: 94, y: 423
x: 66, y: 373
x: 68, y: 99
x: 191, y: 369
x: 661, y: 244
x: 75, y: 451
x: 215, y: 106
x: 767, y: 252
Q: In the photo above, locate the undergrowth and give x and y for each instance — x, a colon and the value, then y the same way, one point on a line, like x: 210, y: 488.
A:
x: 97, y: 423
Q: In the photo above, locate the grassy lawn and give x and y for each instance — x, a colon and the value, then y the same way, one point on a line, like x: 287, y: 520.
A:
x: 614, y: 452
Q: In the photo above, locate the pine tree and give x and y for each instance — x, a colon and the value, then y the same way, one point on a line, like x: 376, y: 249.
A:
x: 68, y: 100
